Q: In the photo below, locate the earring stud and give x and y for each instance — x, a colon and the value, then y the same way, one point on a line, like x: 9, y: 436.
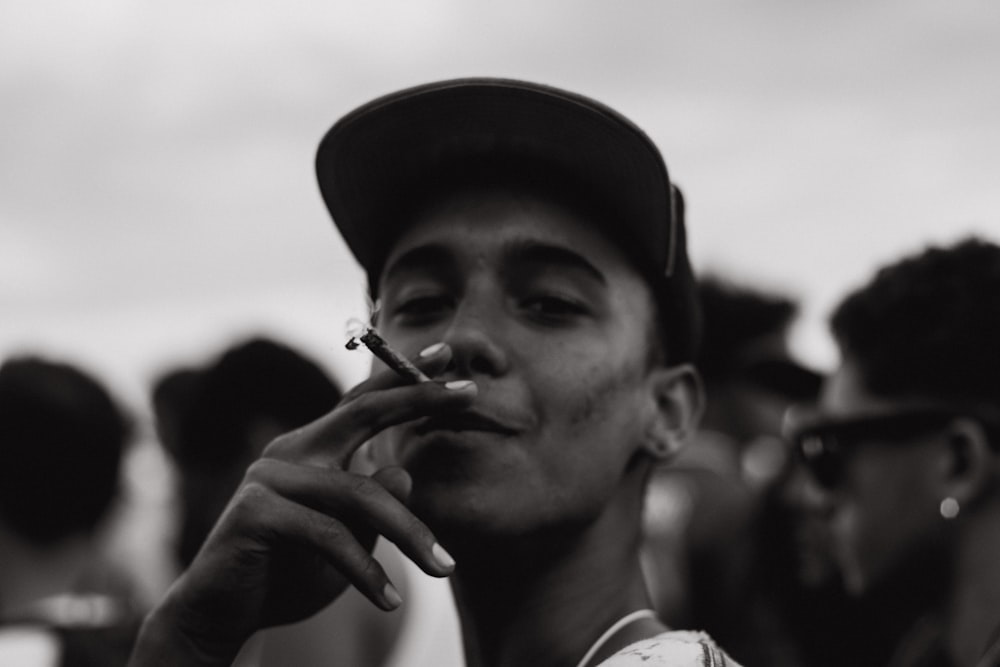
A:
x: 949, y: 508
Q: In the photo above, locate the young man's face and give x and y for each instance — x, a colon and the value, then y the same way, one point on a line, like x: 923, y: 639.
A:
x: 883, y: 516
x: 554, y: 326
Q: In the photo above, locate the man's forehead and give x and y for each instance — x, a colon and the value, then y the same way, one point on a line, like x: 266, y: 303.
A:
x: 840, y: 390
x: 501, y: 199
x: 845, y: 392
x: 499, y: 221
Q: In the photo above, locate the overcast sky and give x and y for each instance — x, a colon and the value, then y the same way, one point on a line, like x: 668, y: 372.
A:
x: 156, y: 189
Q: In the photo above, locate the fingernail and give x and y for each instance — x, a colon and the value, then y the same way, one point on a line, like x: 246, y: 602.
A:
x: 443, y: 558
x: 431, y: 350
x: 460, y: 385
x: 391, y: 596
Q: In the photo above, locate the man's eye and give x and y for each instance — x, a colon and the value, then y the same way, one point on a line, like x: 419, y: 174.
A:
x: 552, y: 307
x: 423, y: 307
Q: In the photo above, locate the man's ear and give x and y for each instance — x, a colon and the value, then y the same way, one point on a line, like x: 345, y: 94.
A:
x: 676, y: 401
x: 969, y: 465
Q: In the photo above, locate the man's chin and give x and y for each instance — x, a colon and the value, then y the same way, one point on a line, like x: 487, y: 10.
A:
x: 452, y: 520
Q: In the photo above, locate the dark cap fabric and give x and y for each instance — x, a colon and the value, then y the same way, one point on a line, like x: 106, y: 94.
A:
x: 379, y: 158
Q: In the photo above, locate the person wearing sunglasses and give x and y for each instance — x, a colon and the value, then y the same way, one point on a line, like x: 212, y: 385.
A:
x: 903, y: 451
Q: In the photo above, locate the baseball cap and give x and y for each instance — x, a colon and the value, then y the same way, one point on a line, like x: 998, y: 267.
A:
x: 400, y: 147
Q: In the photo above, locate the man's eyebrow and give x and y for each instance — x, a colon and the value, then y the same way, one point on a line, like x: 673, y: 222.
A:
x: 421, y: 257
x: 536, y: 252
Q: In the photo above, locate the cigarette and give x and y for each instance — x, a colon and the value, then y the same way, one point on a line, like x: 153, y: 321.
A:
x: 371, y: 339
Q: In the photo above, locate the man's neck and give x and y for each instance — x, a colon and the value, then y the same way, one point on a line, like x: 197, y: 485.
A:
x: 548, y: 605
x: 973, y: 612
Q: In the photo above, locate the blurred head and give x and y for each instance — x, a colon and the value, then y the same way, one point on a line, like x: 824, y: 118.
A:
x: 172, y: 396
x: 62, y: 437
x: 576, y: 333
x: 228, y: 410
x: 750, y: 375
x: 214, y: 421
x: 910, y: 418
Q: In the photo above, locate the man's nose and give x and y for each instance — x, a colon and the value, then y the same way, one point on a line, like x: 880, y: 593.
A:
x: 475, y: 336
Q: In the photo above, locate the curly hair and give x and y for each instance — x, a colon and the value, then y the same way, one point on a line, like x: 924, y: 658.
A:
x: 928, y: 325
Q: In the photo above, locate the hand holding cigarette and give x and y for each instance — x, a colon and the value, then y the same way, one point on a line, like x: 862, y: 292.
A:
x: 302, y: 493
x: 370, y: 338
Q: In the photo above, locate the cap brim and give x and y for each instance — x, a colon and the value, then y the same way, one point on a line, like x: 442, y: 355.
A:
x: 376, y: 154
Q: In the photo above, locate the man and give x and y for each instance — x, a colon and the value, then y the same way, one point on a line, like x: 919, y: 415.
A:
x: 524, y: 245
x: 903, y: 451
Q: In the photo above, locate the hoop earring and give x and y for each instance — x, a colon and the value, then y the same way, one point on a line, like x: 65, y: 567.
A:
x: 949, y: 508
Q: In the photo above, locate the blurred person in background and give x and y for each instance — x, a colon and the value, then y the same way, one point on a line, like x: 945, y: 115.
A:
x: 214, y: 421
x: 904, y: 450
x: 706, y: 517
x: 62, y: 439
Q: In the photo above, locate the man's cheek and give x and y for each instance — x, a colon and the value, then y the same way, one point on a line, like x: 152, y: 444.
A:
x: 846, y: 534
x: 591, y: 403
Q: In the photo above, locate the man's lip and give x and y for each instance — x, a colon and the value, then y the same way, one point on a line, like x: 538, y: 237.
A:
x: 462, y: 421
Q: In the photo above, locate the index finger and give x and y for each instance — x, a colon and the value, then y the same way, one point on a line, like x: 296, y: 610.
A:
x: 333, y: 438
x: 429, y: 362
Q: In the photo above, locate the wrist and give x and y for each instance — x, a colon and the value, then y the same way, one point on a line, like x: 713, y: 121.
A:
x: 168, y: 639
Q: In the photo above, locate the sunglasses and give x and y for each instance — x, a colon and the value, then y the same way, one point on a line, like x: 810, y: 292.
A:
x: 824, y: 444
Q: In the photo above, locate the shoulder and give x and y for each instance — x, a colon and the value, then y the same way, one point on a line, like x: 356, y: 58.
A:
x: 673, y: 649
